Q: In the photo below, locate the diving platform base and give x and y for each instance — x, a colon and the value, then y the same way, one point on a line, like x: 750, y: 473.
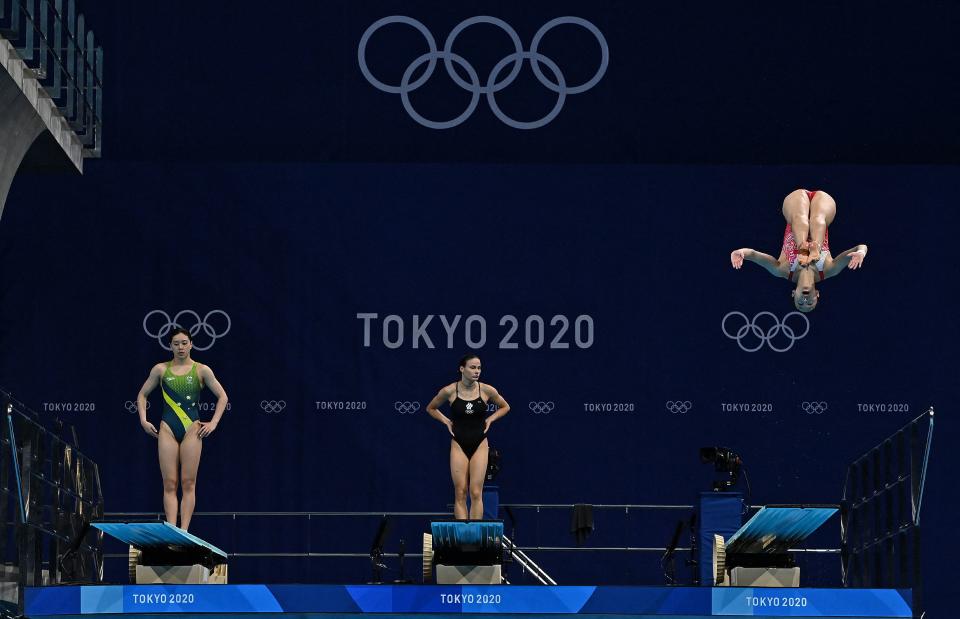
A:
x: 164, y: 554
x: 440, y: 601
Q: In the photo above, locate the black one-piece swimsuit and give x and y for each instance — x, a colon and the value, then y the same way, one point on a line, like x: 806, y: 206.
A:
x: 468, y: 422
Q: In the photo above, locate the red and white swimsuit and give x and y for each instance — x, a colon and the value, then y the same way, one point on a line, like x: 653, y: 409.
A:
x: 791, y: 251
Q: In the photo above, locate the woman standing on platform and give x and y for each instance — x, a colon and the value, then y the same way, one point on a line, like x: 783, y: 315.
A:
x: 181, y: 432
x: 805, y: 252
x: 468, y: 425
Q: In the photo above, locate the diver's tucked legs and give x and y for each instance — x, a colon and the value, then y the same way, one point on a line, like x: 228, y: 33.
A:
x: 796, y: 211
x: 823, y: 209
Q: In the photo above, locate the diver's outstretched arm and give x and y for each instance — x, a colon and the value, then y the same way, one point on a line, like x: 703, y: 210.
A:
x: 768, y: 262
x: 852, y: 259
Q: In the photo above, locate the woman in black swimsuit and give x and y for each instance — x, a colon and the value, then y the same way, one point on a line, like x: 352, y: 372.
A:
x: 468, y: 424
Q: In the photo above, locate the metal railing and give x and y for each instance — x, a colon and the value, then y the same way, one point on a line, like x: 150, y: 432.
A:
x: 880, y: 512
x: 57, y: 46
x: 49, y: 493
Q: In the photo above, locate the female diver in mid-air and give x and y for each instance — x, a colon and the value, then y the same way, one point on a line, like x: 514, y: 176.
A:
x: 468, y: 424
x: 805, y: 254
x: 181, y: 434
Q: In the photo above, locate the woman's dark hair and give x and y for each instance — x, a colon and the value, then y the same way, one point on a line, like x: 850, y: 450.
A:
x: 179, y: 331
x: 467, y: 357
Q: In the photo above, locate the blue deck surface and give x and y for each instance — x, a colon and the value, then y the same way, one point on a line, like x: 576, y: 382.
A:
x: 775, y: 529
x: 154, y: 534
x: 435, y: 600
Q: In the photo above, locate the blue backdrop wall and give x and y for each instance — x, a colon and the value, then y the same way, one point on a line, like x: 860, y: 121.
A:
x: 323, y: 272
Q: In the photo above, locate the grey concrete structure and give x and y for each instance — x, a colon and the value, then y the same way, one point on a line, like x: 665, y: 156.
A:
x: 25, y: 113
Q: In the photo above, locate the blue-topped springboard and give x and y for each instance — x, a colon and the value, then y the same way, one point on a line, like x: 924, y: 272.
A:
x: 774, y: 529
x: 147, y: 535
x: 458, y: 534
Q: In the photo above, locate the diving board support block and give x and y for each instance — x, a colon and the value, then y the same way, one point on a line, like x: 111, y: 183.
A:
x: 468, y: 574
x: 181, y: 575
x: 168, y: 554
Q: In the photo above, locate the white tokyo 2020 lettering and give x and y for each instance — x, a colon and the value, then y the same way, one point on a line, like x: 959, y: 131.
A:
x: 69, y: 407
x: 470, y: 598
x: 755, y: 601
x: 746, y: 407
x: 532, y: 332
x: 163, y: 598
x: 884, y: 407
x: 340, y: 405
x: 609, y: 407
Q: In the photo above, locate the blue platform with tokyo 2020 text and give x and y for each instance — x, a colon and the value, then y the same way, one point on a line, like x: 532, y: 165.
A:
x: 188, y: 600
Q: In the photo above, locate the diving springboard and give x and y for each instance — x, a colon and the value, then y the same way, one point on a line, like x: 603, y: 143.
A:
x: 776, y: 528
x: 160, y: 536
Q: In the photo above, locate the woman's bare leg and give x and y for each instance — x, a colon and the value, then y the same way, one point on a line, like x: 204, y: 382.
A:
x: 169, y: 452
x: 478, y: 473
x: 190, y: 450
x: 458, y: 471
x: 823, y: 209
x: 796, y: 211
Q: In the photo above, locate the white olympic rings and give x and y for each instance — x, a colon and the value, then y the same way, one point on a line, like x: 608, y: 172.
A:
x: 541, y: 408
x: 272, y: 407
x: 474, y: 86
x: 751, y: 328
x: 170, y: 324
x: 406, y: 408
x: 678, y: 406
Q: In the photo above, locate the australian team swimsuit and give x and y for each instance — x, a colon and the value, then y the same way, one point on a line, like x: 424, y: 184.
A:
x: 180, y: 396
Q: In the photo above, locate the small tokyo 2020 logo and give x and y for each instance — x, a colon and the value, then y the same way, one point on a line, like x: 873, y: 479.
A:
x: 541, y: 408
x: 680, y: 407
x: 204, y: 332
x: 765, y: 328
x: 272, y: 407
x: 814, y: 408
x: 406, y: 407
x: 493, y: 83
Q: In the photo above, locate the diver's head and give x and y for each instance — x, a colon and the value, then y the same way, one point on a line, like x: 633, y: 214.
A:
x: 805, y: 295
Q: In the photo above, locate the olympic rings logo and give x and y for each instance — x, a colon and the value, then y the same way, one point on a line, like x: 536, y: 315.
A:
x: 541, y: 408
x: 678, y: 406
x: 272, y: 407
x: 814, y: 408
x: 406, y: 408
x: 197, y: 325
x: 751, y: 329
x: 131, y: 406
x: 493, y: 83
